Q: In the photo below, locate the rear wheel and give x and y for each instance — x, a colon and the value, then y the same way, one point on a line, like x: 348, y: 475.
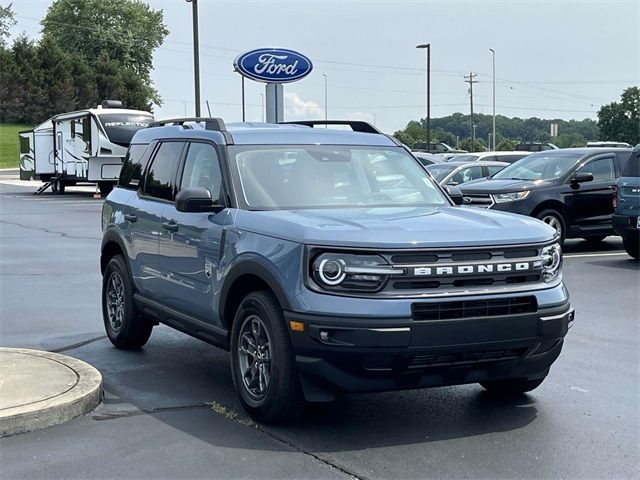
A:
x: 262, y: 360
x: 512, y: 386
x: 554, y: 219
x: 632, y: 246
x: 57, y: 186
x: 125, y: 326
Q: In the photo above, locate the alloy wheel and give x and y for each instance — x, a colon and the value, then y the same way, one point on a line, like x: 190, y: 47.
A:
x: 254, y: 356
x: 115, y: 301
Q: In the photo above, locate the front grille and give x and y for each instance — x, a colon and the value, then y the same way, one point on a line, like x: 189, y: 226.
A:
x: 440, y: 271
x: 446, y: 359
x: 474, y: 308
x: 482, y: 200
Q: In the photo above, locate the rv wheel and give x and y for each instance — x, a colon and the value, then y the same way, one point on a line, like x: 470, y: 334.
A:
x: 57, y: 187
x: 105, y: 188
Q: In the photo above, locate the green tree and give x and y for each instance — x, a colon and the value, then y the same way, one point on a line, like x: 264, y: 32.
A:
x: 405, y: 138
x: 506, y: 145
x: 7, y: 20
x: 120, y: 35
x: 620, y: 121
x: 479, y: 145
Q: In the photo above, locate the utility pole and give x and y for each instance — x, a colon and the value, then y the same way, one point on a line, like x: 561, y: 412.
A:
x: 326, y: 93
x: 427, y: 47
x: 470, y: 79
x: 196, y: 53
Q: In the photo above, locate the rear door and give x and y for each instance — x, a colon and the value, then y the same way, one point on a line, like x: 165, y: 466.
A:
x: 589, y: 203
x: 158, y: 191
x: 191, y: 245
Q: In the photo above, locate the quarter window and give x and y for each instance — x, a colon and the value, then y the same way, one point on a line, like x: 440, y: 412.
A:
x: 160, y: 177
x: 201, y: 169
x: 602, y: 169
x: 134, y: 162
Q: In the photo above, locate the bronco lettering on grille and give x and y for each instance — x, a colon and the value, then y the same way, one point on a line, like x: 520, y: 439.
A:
x: 472, y: 269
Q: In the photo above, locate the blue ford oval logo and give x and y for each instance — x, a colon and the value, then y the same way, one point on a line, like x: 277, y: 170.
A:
x: 273, y: 65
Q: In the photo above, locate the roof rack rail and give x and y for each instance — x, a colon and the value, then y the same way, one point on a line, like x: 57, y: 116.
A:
x: 216, y: 124
x: 356, y: 125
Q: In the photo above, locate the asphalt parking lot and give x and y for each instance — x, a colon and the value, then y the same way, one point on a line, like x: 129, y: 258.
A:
x: 170, y: 410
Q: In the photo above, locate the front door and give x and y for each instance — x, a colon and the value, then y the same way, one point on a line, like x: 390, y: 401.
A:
x: 591, y: 202
x: 190, y: 248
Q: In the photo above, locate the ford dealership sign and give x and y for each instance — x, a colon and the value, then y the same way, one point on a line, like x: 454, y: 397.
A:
x: 273, y: 65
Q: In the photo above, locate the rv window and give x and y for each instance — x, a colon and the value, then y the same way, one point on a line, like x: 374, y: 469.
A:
x: 86, y: 130
x: 120, y: 127
x: 160, y: 177
x: 25, y: 146
x: 134, y: 162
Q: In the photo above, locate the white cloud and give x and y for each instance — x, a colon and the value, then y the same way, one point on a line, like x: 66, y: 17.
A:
x: 298, y: 109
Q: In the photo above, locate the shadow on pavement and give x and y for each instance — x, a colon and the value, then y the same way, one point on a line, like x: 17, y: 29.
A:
x: 175, y: 372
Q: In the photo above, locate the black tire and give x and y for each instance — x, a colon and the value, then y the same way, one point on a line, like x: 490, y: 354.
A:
x: 512, y: 386
x: 632, y: 246
x: 125, y: 327
x: 57, y: 187
x: 554, y: 219
x: 281, y: 398
x: 595, y: 239
x: 105, y: 188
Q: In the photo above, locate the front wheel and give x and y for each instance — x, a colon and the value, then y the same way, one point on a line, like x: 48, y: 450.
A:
x: 632, y: 246
x: 512, y: 386
x: 125, y: 326
x: 554, y: 219
x: 262, y: 360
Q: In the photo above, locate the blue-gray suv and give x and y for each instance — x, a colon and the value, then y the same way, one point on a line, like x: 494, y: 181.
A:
x: 325, y: 261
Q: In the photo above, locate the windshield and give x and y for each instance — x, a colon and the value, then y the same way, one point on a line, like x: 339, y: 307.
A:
x: 336, y: 176
x: 120, y: 127
x: 439, y: 170
x: 464, y: 158
x: 540, y: 166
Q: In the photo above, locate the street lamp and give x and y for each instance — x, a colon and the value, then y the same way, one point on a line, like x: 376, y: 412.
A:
x: 326, y: 115
x: 196, y: 53
x: 493, y: 52
x: 427, y: 47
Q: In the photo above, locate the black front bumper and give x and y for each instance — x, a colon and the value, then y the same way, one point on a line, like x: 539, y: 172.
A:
x: 335, y: 354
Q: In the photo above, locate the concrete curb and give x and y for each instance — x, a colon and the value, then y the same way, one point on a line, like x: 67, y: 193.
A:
x: 71, y: 388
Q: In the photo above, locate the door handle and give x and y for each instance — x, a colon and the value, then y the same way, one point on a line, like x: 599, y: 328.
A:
x: 171, y: 226
x: 130, y: 217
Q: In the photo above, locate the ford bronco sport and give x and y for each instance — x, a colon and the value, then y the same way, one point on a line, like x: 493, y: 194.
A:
x: 326, y: 261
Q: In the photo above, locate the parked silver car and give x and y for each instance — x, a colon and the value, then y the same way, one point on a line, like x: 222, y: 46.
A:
x: 455, y: 173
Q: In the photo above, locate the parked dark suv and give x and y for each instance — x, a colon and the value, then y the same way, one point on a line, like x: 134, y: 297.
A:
x: 569, y: 189
x: 326, y: 261
x: 626, y: 219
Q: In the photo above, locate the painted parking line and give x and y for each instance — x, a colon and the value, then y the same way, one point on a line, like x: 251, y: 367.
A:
x: 594, y: 255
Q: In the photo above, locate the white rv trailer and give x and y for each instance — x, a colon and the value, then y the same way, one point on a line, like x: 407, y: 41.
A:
x: 87, y: 146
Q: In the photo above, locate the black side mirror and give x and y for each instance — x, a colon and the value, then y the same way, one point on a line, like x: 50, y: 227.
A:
x: 454, y: 193
x: 196, y: 199
x: 581, y: 177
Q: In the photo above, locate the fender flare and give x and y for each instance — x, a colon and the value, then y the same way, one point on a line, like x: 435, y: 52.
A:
x: 111, y: 236
x: 253, y: 266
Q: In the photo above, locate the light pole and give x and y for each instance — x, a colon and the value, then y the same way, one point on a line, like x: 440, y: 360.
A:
x: 262, y: 105
x: 493, y: 52
x: 326, y: 114
x: 196, y: 53
x: 427, y: 47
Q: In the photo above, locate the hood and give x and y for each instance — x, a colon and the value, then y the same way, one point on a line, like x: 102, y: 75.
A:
x: 503, y: 185
x: 422, y: 227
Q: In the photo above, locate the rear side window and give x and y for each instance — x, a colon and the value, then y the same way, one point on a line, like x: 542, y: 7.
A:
x: 494, y: 169
x: 160, y: 178
x: 134, y: 163
x: 632, y: 168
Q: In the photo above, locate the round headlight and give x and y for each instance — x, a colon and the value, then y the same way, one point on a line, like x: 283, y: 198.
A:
x: 551, y: 260
x: 332, y: 272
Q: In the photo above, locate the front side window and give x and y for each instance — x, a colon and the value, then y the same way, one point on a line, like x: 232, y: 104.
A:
x: 340, y: 176
x: 201, y: 169
x: 601, y: 169
x: 539, y: 166
x: 493, y: 169
x: 159, y: 181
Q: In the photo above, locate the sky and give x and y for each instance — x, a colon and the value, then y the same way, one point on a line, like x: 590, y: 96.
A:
x: 554, y: 59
